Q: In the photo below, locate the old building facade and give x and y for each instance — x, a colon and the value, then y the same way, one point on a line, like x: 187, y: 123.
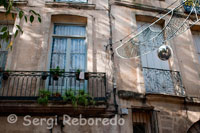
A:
x: 150, y: 95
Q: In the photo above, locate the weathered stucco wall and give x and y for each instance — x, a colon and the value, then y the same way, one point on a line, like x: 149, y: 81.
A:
x: 172, y: 117
x: 31, y: 52
x: 184, y: 59
x: 32, y: 47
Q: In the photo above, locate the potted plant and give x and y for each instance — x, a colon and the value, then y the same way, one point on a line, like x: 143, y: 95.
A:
x: 70, y: 97
x: 6, y: 74
x: 43, y: 97
x: 86, y: 75
x: 80, y: 98
x: 77, y: 74
x: 56, y: 72
x: 56, y: 94
x: 44, y: 75
x: 84, y: 98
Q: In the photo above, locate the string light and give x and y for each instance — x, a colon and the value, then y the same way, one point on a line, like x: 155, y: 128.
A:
x: 174, y: 33
x: 140, y: 26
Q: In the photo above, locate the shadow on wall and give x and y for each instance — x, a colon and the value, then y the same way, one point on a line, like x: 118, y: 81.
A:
x: 177, y: 120
x: 195, y: 128
x: 127, y: 69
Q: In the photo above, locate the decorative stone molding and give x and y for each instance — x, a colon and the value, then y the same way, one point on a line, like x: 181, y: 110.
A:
x: 71, y: 5
x: 130, y: 95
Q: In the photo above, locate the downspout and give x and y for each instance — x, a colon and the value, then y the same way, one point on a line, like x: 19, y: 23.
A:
x: 112, y: 59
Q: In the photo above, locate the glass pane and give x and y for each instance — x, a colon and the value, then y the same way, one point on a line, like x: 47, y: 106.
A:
x: 3, y: 58
x: 3, y: 53
x: 78, y: 60
x: 69, y: 30
x: 59, y: 49
x: 78, y: 53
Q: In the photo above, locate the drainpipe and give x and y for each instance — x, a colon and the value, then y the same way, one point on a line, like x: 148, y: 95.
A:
x: 112, y: 59
x: 115, y: 101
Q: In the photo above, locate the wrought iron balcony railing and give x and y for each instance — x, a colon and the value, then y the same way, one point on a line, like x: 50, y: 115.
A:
x: 163, y: 81
x: 25, y: 85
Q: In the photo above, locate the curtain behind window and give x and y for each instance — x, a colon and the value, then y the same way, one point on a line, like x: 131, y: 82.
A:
x: 4, y: 45
x: 76, y: 48
x: 69, y: 53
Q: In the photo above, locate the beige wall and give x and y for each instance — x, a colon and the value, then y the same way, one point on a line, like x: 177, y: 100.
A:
x: 31, y: 52
x: 129, y: 76
x: 172, y: 117
x: 31, y: 49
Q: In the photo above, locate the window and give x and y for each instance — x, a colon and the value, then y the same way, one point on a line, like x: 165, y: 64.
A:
x: 69, y: 53
x: 144, y: 121
x: 3, y: 49
x: 139, y: 128
x: 68, y: 47
x: 196, y: 38
x: 157, y: 75
x: 77, y: 1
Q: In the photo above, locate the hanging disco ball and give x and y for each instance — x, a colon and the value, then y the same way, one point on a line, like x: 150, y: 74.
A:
x: 164, y: 52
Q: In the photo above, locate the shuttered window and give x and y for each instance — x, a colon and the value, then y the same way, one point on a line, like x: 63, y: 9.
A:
x: 157, y: 76
x: 196, y: 38
x: 151, y: 59
x: 144, y: 121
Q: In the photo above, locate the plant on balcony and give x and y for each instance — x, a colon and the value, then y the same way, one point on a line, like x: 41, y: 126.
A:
x: 56, y: 94
x: 56, y: 72
x: 70, y: 96
x: 43, y: 97
x: 80, y: 98
x: 77, y: 74
x: 86, y: 74
x: 84, y: 98
x: 44, y: 75
x: 6, y: 74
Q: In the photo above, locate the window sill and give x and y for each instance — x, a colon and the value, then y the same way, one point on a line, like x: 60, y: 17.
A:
x: 72, y: 5
x: 20, y: 2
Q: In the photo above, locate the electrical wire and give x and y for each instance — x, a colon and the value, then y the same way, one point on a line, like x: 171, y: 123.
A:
x: 171, y: 37
x: 143, y: 24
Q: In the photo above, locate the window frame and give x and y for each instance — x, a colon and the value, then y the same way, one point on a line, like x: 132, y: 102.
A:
x: 197, y: 52
x: 69, y: 40
x: 68, y: 52
x: 10, y: 35
x: 147, y: 117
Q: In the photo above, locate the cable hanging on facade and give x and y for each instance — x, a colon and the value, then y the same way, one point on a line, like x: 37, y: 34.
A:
x: 141, y: 25
x: 174, y: 27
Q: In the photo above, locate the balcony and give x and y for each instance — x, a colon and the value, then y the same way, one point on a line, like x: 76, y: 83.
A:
x: 159, y: 81
x: 20, y: 90
x: 25, y: 85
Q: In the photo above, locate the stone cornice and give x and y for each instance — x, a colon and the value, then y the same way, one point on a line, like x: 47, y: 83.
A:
x: 71, y: 5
